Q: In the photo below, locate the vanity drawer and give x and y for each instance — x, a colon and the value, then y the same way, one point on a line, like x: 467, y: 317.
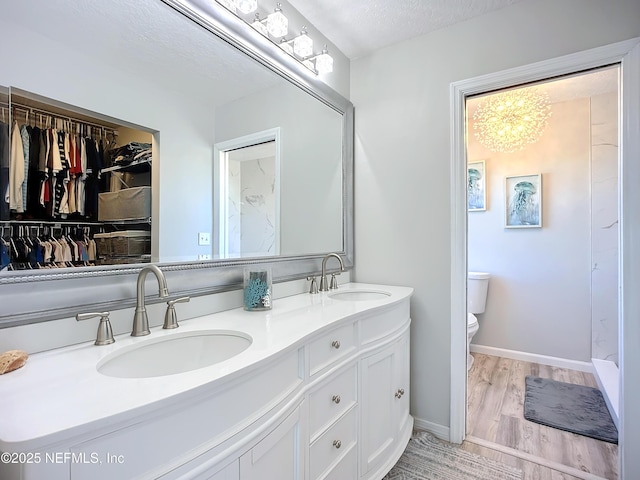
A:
x: 333, y: 446
x: 347, y: 468
x: 331, y: 400
x: 383, y: 323
x: 331, y: 347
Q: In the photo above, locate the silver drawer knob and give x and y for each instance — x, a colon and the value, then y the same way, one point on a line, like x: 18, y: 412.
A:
x: 337, y: 443
x: 336, y: 399
x: 335, y: 344
x: 400, y: 393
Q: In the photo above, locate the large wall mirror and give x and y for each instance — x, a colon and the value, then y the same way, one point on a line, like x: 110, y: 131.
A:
x: 247, y: 149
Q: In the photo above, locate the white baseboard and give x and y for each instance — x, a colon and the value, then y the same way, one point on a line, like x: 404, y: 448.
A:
x: 534, y: 358
x: 438, y: 430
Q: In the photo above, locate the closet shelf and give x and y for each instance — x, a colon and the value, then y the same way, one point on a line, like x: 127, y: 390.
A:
x: 128, y: 166
x: 129, y: 221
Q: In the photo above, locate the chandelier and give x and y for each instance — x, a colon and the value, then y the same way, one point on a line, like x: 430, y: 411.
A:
x: 509, y: 121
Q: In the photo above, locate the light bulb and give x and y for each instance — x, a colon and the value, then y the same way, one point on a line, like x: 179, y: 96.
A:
x: 324, y: 62
x: 247, y: 6
x: 277, y: 23
x: 303, y: 44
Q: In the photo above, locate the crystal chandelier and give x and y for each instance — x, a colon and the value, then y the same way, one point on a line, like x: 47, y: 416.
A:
x: 275, y: 27
x: 509, y: 121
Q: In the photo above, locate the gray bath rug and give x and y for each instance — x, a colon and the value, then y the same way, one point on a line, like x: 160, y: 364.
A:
x: 573, y: 408
x: 428, y: 458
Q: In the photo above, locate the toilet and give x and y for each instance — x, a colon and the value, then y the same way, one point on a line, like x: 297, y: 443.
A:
x: 477, y: 285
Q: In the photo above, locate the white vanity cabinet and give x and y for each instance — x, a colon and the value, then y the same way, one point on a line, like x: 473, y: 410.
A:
x: 325, y: 397
x: 333, y: 418
x: 230, y: 472
x: 279, y: 456
x: 385, y: 406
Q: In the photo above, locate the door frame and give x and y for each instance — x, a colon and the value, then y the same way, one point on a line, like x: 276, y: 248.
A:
x: 627, y: 54
x: 221, y: 186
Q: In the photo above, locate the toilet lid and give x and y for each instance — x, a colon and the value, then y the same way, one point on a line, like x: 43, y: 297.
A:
x: 471, y: 319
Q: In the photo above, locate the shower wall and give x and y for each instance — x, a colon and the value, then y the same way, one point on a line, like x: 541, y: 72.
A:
x: 604, y: 227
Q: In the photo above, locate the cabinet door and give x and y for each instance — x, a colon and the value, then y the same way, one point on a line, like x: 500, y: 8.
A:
x: 402, y: 385
x: 279, y: 456
x: 377, y: 400
x: 385, y: 402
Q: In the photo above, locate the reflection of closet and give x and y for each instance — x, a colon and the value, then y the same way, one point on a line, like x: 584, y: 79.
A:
x: 75, y: 188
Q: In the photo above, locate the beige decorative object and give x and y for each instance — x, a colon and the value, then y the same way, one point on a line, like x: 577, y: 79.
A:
x: 12, y: 360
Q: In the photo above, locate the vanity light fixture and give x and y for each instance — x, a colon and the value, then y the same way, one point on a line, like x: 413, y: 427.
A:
x: 324, y: 62
x: 247, y: 6
x: 228, y: 4
x: 286, y: 46
x: 277, y: 23
x: 303, y: 44
x: 276, y: 26
x: 509, y: 121
x: 259, y: 25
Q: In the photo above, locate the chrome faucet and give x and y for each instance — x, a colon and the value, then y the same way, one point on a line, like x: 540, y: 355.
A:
x: 324, y: 287
x: 140, y: 320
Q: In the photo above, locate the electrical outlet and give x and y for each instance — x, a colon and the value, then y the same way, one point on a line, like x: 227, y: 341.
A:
x: 204, y: 256
x: 204, y: 238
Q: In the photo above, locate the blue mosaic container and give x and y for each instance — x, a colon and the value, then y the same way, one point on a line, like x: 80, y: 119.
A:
x: 257, y: 289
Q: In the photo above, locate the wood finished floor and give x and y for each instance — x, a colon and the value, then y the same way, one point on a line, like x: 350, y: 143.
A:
x: 496, y: 389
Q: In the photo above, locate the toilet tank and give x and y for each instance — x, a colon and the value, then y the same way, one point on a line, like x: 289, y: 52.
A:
x: 477, y: 285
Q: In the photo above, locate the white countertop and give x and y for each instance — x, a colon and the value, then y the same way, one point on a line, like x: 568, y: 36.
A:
x: 60, y: 393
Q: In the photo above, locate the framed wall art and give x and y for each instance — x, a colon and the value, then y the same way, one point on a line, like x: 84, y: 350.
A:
x: 523, y: 201
x: 477, y: 186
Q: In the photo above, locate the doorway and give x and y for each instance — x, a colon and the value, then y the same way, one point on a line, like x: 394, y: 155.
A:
x: 543, y: 165
x: 628, y: 55
x: 248, y: 191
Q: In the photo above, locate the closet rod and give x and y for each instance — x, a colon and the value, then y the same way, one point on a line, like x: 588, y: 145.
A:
x: 49, y: 223
x: 33, y: 110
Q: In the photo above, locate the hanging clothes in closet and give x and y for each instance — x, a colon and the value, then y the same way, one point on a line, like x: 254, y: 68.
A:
x: 27, y: 250
x: 16, y: 170
x: 54, y: 172
x: 4, y: 166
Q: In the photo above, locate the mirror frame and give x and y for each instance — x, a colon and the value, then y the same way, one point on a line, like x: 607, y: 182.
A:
x: 107, y: 283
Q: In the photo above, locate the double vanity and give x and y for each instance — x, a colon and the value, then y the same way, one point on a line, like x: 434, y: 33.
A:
x: 316, y: 388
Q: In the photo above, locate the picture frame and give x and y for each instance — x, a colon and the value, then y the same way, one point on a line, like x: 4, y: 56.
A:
x: 477, y: 186
x: 523, y: 201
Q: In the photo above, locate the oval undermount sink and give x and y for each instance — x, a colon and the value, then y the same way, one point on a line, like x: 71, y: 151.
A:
x: 179, y: 353
x: 359, y: 295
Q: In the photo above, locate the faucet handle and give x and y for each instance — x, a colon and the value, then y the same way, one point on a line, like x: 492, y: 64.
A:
x: 313, y: 288
x: 105, y: 334
x: 333, y: 285
x: 170, y: 318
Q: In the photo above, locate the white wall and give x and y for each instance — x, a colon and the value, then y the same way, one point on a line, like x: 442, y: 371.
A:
x: 402, y: 158
x: 539, y: 293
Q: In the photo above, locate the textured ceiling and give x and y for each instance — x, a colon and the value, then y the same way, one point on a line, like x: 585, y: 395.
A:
x: 359, y: 27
